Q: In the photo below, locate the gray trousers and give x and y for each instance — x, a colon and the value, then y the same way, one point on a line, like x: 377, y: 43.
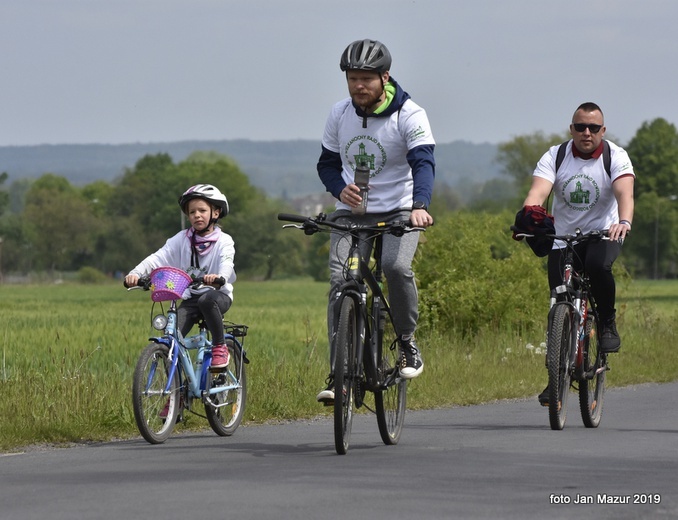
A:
x: 397, y: 256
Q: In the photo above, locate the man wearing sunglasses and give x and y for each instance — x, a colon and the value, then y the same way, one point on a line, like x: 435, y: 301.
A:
x: 587, y: 197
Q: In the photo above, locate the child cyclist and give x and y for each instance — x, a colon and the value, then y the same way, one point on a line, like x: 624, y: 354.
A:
x: 202, y: 250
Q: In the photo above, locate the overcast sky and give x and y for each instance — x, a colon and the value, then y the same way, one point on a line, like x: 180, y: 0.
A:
x: 127, y: 71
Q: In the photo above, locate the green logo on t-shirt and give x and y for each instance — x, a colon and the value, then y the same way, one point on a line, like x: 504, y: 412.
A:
x: 579, y: 198
x: 366, y: 144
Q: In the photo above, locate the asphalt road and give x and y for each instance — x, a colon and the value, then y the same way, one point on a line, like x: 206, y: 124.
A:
x: 498, y: 461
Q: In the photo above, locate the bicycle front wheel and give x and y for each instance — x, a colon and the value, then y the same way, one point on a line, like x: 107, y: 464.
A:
x: 390, y: 403
x: 592, y: 391
x: 155, y: 410
x: 345, y: 349
x: 558, y: 352
x: 226, y: 409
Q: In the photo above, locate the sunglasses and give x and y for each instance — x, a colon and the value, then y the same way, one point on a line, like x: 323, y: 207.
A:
x: 581, y: 127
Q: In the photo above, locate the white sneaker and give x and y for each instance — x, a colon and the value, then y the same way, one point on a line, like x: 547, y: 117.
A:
x: 411, y: 363
x: 327, y: 395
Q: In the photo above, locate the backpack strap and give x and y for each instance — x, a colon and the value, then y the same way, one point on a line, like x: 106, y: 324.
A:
x: 561, y: 155
x: 607, y: 159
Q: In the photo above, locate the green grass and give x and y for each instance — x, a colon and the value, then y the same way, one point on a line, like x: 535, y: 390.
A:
x: 68, y: 353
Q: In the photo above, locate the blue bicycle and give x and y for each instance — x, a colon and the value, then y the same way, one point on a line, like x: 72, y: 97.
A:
x: 168, y: 377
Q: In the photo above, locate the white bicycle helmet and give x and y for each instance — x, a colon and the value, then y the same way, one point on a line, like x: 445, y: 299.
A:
x: 207, y: 192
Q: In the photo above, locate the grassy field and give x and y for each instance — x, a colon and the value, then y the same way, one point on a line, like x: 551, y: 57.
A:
x: 68, y: 353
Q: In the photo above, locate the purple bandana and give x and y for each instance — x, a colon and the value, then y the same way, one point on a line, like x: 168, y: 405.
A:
x: 203, y: 244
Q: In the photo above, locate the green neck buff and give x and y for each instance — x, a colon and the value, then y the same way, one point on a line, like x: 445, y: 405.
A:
x: 389, y: 90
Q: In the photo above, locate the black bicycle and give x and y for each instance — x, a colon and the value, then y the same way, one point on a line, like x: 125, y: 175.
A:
x: 366, y: 354
x: 573, y: 355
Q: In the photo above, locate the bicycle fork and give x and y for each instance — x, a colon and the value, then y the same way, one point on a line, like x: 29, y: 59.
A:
x: 579, y: 337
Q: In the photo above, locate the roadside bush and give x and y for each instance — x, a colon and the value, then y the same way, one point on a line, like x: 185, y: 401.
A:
x: 90, y: 275
x: 472, y: 275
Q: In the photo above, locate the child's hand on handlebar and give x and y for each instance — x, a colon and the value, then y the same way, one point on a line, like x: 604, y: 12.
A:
x: 131, y: 280
x: 213, y: 279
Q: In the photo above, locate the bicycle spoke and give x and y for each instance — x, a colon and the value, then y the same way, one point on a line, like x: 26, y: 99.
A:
x: 155, y: 411
x: 391, y: 402
x: 592, y: 391
x: 225, y: 409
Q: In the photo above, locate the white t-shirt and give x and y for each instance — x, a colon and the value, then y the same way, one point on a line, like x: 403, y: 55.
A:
x: 177, y: 252
x: 383, y: 145
x: 582, y: 189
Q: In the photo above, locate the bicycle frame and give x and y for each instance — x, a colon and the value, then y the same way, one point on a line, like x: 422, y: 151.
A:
x: 359, y: 278
x: 182, y: 364
x: 574, y: 292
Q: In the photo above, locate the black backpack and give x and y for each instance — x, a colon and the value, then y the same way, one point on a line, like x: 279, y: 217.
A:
x: 607, y: 160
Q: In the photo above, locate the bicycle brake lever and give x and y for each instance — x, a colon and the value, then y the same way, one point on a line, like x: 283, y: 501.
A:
x: 309, y: 227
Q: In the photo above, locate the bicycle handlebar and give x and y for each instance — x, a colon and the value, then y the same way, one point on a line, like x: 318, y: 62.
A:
x: 578, y: 236
x: 292, y: 218
x: 312, y: 225
x: 144, y: 282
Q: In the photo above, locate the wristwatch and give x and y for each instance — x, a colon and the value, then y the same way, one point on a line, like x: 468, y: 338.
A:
x: 417, y: 204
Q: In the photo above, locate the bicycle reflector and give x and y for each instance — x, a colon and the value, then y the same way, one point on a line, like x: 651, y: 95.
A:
x: 159, y: 322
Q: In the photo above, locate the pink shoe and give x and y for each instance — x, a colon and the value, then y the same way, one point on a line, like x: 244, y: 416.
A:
x: 163, y: 413
x: 220, y: 358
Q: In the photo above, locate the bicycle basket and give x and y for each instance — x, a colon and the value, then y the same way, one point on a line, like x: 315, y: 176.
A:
x: 168, y: 283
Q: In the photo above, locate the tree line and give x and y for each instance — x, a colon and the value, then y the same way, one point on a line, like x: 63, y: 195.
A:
x: 49, y: 225
x: 110, y: 227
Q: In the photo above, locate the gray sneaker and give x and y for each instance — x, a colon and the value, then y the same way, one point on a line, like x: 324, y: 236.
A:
x: 411, y: 363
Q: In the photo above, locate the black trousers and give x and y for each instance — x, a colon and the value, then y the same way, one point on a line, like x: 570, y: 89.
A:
x: 596, y: 259
x: 211, y: 306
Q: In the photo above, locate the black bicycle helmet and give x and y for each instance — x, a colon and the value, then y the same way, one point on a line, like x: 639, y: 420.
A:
x: 369, y: 55
x: 208, y: 193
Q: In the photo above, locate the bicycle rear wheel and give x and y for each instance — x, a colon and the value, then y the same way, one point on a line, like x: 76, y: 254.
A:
x: 155, y: 411
x: 390, y: 403
x: 592, y: 391
x: 344, y: 374
x: 228, y: 407
x: 558, y: 351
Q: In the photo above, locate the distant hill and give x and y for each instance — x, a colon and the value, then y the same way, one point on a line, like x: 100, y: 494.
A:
x: 280, y: 168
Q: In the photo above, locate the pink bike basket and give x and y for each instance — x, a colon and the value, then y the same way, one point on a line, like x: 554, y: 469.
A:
x: 168, y: 283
